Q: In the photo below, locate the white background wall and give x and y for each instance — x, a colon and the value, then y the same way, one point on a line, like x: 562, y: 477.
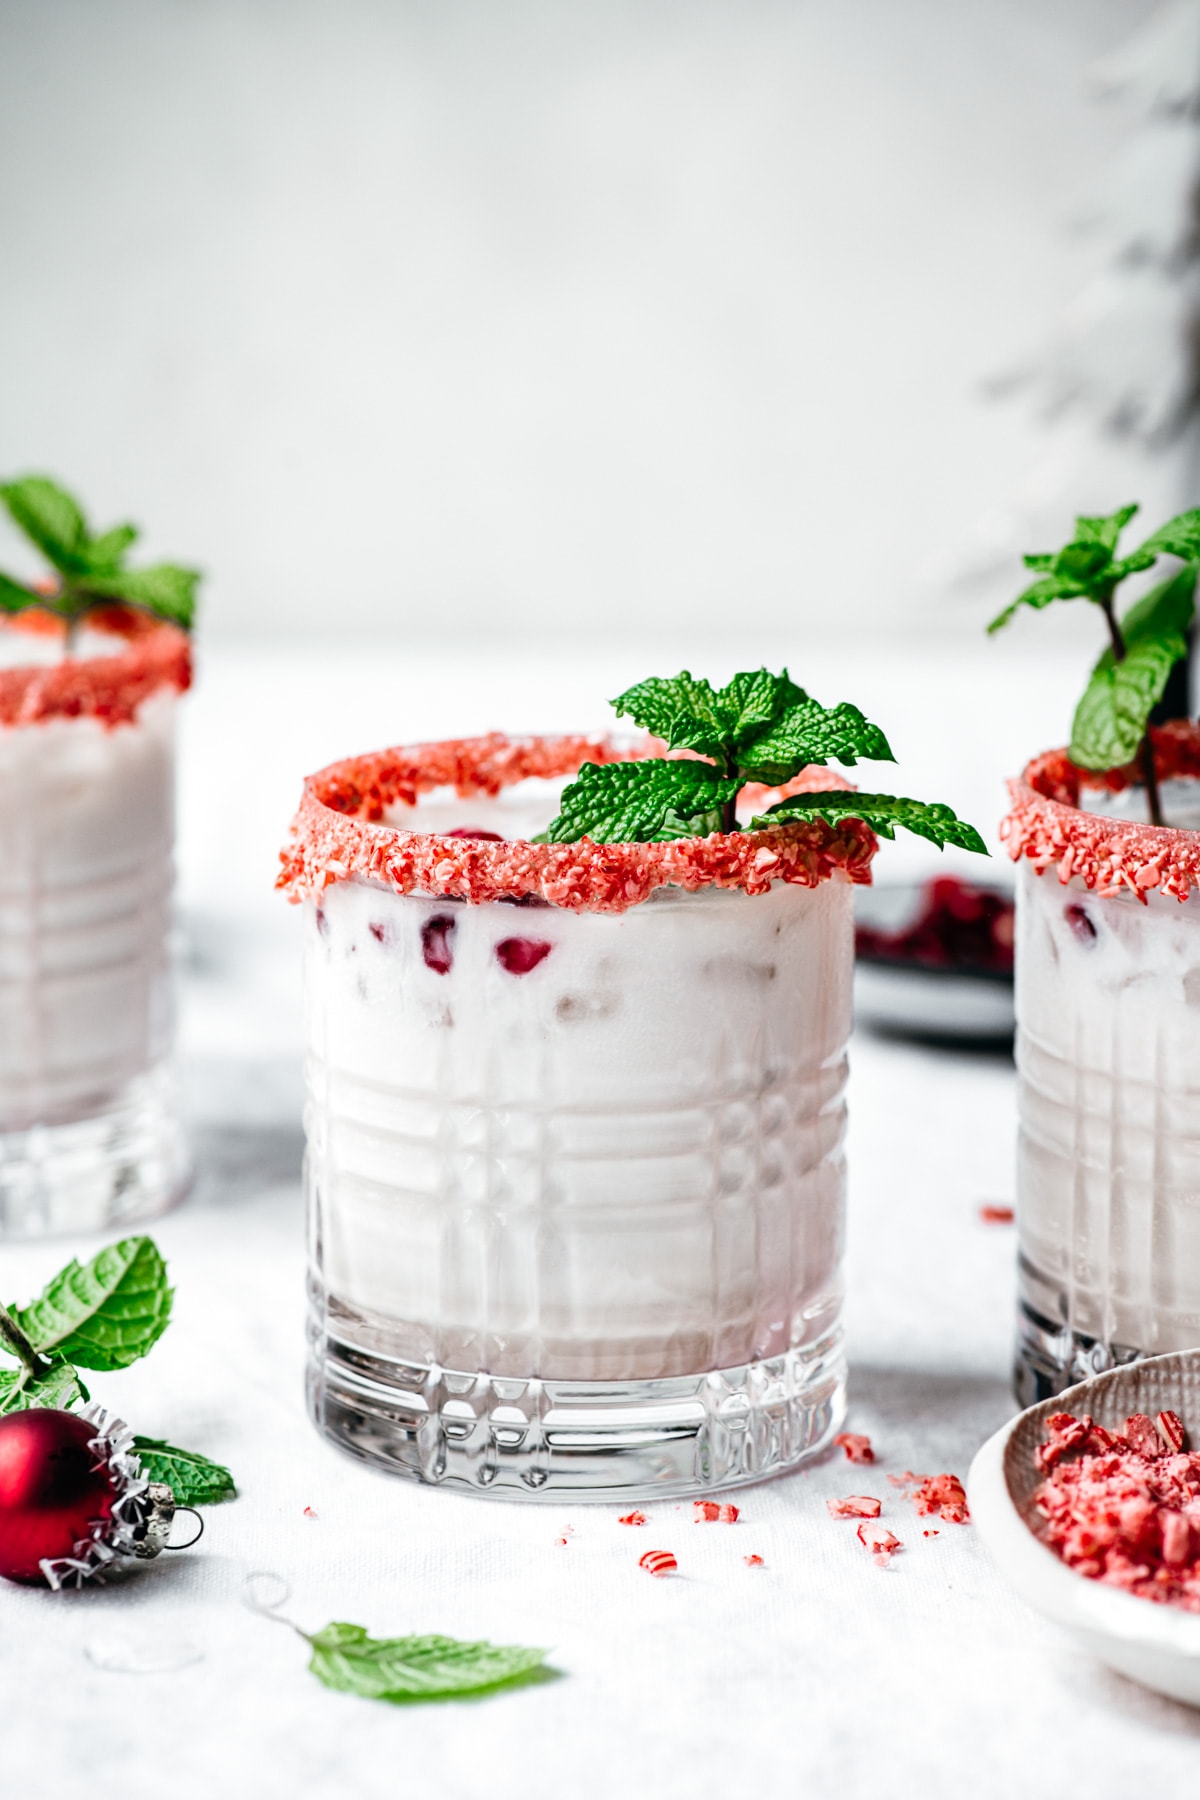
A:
x: 543, y: 318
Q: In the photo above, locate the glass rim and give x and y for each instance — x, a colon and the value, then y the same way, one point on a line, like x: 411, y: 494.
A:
x: 1049, y: 827
x: 108, y: 687
x: 339, y: 833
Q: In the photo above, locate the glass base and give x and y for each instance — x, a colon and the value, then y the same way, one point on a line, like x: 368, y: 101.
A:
x: 123, y: 1164
x: 1051, y: 1357
x: 543, y: 1439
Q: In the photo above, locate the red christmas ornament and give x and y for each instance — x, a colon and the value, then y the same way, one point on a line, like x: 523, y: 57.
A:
x: 72, y: 1497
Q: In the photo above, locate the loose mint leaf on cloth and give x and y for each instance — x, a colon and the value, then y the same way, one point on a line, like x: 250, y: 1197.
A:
x: 414, y: 1668
x: 1178, y: 537
x: 51, y: 518
x: 810, y: 733
x: 56, y: 1386
x: 882, y: 812
x: 193, y: 1479
x: 107, y: 552
x: 1111, y: 718
x: 104, y: 1314
x: 166, y: 590
x: 630, y: 802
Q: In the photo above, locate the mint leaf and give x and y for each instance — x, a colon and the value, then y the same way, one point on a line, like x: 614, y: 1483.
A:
x: 1041, y: 593
x: 882, y: 812
x: 1178, y: 537
x: 56, y: 1386
x: 414, y: 1668
x: 106, y: 553
x: 104, y: 1314
x: 630, y: 802
x: 14, y: 598
x: 1111, y: 718
x: 689, y: 714
x: 193, y: 1479
x: 1104, y: 529
x: 811, y: 733
x: 51, y: 518
x: 165, y: 590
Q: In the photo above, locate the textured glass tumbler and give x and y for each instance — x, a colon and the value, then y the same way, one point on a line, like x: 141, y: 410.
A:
x: 1108, y: 1058
x: 576, y: 1185
x: 90, y: 1135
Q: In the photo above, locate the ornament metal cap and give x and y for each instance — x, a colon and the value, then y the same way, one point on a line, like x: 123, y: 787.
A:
x: 142, y: 1511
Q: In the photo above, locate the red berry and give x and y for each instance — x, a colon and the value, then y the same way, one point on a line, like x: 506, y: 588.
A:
x: 475, y: 831
x: 52, y: 1489
x: 520, y: 955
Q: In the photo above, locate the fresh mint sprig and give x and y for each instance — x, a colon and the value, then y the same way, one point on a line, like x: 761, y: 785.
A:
x: 90, y: 570
x: 1111, y: 724
x: 104, y: 1314
x: 759, y: 728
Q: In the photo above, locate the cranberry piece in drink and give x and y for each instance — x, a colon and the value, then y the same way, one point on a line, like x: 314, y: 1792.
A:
x: 475, y: 831
x: 518, y: 955
x: 436, y: 934
x: 1078, y: 919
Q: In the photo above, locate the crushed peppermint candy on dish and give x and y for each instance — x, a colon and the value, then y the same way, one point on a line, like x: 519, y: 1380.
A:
x: 658, y: 1562
x: 855, y: 1506
x: 1123, y: 1507
x: 857, y: 1446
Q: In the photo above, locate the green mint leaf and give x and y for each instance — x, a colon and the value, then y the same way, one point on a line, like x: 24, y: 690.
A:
x: 414, y: 1668
x: 1178, y: 537
x: 1041, y: 593
x: 105, y: 554
x: 689, y: 714
x: 1106, y: 528
x: 630, y: 802
x: 14, y: 597
x: 165, y: 590
x: 1111, y: 718
x: 810, y: 733
x: 193, y: 1479
x: 50, y: 518
x: 882, y: 812
x: 106, y: 1313
x: 57, y: 1386
x: 1130, y: 565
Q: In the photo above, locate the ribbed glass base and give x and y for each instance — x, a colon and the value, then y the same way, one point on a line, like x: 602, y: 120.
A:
x: 123, y: 1164
x: 545, y: 1439
x: 1051, y: 1357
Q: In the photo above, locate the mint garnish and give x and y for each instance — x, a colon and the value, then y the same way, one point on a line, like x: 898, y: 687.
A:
x: 1111, y: 724
x: 413, y: 1668
x: 759, y: 728
x: 194, y: 1480
x: 103, y: 1314
x: 90, y: 571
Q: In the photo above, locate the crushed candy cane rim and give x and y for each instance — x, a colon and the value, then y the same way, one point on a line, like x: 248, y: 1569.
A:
x: 1049, y: 827
x: 340, y: 833
x: 109, y: 688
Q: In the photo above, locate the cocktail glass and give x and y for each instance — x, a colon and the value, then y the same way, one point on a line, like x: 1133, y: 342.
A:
x: 575, y: 1125
x: 1108, y: 1054
x: 90, y: 1134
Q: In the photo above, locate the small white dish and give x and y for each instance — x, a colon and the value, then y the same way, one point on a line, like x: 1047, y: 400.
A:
x: 1158, y: 1645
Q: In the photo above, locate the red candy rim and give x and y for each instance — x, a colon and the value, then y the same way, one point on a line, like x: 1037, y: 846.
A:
x: 109, y: 688
x: 338, y: 834
x: 1111, y: 856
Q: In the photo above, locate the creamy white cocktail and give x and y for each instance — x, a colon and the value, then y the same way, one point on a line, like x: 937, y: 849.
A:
x: 576, y: 1094
x: 1108, y: 1052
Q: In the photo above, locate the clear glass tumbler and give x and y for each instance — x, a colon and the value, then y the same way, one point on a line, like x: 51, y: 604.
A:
x: 90, y: 1134
x: 1108, y: 1056
x: 575, y: 1167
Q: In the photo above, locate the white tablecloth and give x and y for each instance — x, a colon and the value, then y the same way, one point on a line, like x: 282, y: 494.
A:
x: 816, y: 1674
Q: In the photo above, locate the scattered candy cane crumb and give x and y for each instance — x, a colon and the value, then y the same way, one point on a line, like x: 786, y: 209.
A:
x: 562, y: 1541
x: 856, y: 1445
x: 633, y: 1518
x: 996, y: 1215
x: 728, y: 1515
x: 905, y: 1478
x: 708, y: 1512
x: 310, y: 1514
x: 881, y: 1542
x: 855, y: 1506
x: 931, y: 1534
x: 658, y: 1562
x: 944, y: 1495
x: 753, y: 1562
